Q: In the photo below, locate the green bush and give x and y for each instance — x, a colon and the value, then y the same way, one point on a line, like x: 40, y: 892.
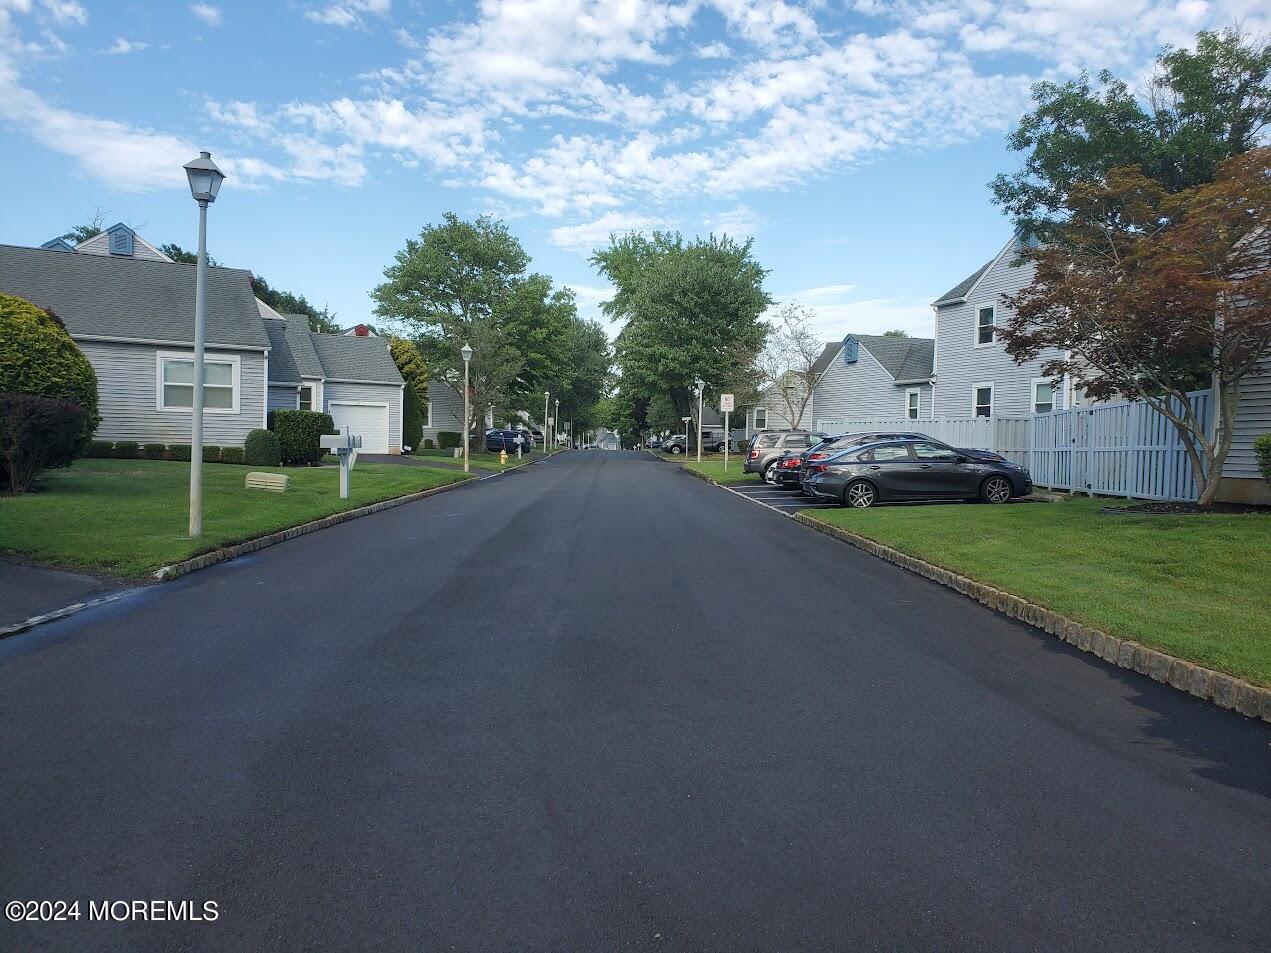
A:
x: 37, y: 433
x: 1262, y: 451
x: 179, y: 451
x: 100, y: 448
x: 261, y: 449
x: 211, y: 454
x: 154, y: 451
x: 412, y: 417
x: 300, y: 435
x: 127, y: 449
x: 448, y: 439
x: 429, y: 444
x: 231, y: 454
x: 38, y: 357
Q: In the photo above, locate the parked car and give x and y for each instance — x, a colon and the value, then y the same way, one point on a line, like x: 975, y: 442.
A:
x: 786, y: 472
x: 509, y: 440
x: 832, y: 445
x: 655, y: 443
x: 896, y: 470
x: 676, y: 444
x: 768, y: 445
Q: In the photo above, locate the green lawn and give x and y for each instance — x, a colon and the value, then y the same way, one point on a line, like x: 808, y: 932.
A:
x: 129, y: 516
x: 486, y: 461
x: 1195, y: 586
x: 714, y: 468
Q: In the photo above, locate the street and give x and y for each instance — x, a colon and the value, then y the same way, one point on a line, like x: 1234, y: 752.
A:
x: 597, y: 704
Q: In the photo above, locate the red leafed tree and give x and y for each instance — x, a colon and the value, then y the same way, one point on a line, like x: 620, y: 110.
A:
x: 1152, y: 294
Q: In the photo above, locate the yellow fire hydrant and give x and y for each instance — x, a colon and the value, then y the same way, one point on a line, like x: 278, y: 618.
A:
x: 503, y: 455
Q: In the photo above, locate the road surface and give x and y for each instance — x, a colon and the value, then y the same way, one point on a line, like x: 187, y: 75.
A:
x: 599, y: 705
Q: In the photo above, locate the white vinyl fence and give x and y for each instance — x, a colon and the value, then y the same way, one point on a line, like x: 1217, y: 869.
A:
x: 1124, y: 449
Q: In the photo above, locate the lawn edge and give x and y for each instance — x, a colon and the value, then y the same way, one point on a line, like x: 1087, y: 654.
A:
x: 1218, y: 688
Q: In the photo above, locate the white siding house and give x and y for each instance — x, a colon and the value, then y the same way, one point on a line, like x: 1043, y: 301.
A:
x: 974, y: 376
x: 872, y: 376
x: 1242, y: 480
x: 444, y: 411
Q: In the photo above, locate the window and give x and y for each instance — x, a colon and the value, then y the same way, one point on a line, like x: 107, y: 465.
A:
x: 220, y: 384
x: 933, y: 451
x: 761, y: 418
x: 985, y: 325
x: 306, y: 397
x: 798, y: 441
x: 982, y: 400
x: 1043, y: 396
x: 913, y: 402
x: 767, y: 441
x: 896, y: 451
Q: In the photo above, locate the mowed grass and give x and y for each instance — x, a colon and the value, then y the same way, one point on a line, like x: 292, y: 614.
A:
x: 129, y: 517
x: 1195, y: 586
x: 714, y: 469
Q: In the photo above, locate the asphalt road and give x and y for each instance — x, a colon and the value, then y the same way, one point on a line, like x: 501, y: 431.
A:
x: 599, y: 705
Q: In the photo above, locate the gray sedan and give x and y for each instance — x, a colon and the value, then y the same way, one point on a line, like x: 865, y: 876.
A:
x: 913, y: 470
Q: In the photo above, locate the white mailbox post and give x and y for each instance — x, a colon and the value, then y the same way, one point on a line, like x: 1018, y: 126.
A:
x: 345, y: 446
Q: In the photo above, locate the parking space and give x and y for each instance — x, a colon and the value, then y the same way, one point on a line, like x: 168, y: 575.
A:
x: 788, y: 502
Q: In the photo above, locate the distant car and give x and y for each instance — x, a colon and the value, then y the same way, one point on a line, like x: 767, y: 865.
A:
x: 676, y: 444
x: 768, y: 445
x: 654, y: 443
x: 509, y: 440
x: 900, y: 470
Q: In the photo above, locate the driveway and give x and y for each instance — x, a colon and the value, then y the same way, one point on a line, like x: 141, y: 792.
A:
x: 601, y: 705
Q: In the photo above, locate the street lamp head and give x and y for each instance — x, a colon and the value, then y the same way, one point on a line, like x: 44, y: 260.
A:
x: 466, y: 351
x: 205, y: 178
x: 700, y: 383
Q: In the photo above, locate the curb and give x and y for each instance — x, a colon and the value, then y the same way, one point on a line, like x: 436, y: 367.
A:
x: 52, y: 616
x: 1225, y: 691
x: 187, y: 566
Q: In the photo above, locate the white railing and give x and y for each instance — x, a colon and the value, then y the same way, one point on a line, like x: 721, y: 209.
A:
x: 1123, y: 449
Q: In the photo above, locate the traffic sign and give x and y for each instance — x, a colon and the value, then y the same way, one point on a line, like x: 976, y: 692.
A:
x: 726, y: 403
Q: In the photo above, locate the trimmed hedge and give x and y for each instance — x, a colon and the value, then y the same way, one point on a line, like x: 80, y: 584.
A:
x: 179, y: 451
x: 429, y: 444
x: 261, y: 448
x: 300, y: 435
x: 155, y: 451
x: 100, y: 448
x: 412, y: 417
x: 37, y: 433
x: 1262, y: 451
x: 127, y: 449
x: 231, y: 454
x: 211, y: 454
x: 448, y: 439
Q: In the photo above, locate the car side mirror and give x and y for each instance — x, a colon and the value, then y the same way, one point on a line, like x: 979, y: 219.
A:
x: 962, y: 459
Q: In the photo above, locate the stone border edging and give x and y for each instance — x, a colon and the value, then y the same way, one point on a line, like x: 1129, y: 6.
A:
x: 1225, y: 691
x: 53, y: 615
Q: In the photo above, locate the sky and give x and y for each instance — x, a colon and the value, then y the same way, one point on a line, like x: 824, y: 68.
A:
x: 853, y: 140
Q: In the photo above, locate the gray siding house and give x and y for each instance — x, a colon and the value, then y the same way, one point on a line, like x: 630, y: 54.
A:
x: 1242, y: 480
x: 973, y: 374
x: 874, y: 376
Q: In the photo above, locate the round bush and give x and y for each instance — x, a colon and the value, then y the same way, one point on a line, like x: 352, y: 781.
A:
x: 261, y: 449
x: 37, y: 356
x: 300, y: 435
x: 37, y: 433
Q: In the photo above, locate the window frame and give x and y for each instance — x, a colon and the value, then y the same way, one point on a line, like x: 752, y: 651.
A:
x: 163, y: 358
x: 313, y: 396
x: 975, y: 325
x: 1032, y: 392
x: 917, y: 407
x: 975, y: 404
x: 757, y: 412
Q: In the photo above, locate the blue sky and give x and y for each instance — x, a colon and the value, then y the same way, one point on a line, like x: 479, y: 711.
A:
x: 853, y: 139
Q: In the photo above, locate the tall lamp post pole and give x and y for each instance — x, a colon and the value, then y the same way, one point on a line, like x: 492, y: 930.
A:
x: 556, y: 424
x: 466, y: 351
x: 205, y: 181
x: 546, y: 395
x: 701, y: 384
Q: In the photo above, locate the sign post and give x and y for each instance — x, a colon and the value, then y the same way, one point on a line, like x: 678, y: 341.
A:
x: 726, y: 405
x: 344, y: 445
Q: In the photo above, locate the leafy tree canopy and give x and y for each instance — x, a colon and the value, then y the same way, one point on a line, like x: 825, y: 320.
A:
x: 284, y: 302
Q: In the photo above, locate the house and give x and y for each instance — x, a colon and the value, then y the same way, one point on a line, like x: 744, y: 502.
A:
x: 873, y: 377
x: 770, y: 411
x: 131, y: 311
x: 973, y: 376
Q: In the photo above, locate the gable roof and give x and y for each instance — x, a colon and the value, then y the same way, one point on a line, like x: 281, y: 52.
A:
x: 355, y: 358
x: 133, y: 299
x: 822, y: 363
x: 301, y: 343
x: 959, y: 291
x: 905, y: 359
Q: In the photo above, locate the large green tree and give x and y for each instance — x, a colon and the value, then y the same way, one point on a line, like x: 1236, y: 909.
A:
x: 1202, y: 106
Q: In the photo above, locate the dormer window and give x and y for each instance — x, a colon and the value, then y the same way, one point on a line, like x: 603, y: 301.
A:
x: 121, y: 240
x: 851, y: 351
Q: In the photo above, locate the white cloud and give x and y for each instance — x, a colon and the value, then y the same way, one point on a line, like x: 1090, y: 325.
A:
x: 66, y: 11
x: 713, y: 51
x: 123, y: 46
x: 837, y: 314
x: 348, y: 12
x: 589, y: 236
x: 207, y: 13
x: 740, y: 222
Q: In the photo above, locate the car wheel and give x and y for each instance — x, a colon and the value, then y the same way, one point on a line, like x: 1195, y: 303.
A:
x: 770, y: 474
x: 995, y: 489
x: 675, y: 450
x: 860, y: 495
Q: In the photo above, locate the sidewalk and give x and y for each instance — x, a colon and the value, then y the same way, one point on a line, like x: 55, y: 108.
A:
x: 27, y: 589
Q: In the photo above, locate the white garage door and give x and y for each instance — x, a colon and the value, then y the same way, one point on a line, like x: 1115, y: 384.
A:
x: 369, y: 420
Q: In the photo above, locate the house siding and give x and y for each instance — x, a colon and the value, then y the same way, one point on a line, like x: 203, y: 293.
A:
x: 446, y: 407
x: 960, y: 364
x: 100, y: 245
x: 1253, y: 418
x: 390, y: 394
x: 284, y: 397
x: 862, y: 390
x: 127, y: 397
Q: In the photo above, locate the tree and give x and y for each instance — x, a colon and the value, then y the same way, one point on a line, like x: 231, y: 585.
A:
x: 284, y: 302
x: 788, y: 361
x: 1202, y: 107
x: 82, y: 233
x: 38, y: 356
x: 896, y: 333
x: 1151, y: 294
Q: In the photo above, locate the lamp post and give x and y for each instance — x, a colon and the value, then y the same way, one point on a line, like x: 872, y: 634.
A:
x: 701, y: 384
x: 556, y: 424
x: 205, y: 181
x: 466, y: 351
x: 546, y: 395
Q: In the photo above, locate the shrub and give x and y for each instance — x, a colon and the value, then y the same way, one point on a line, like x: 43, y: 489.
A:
x: 300, y: 435
x: 127, y: 449
x: 38, y: 357
x: 261, y: 449
x: 100, y: 448
x: 429, y: 444
x: 179, y: 451
x: 154, y: 451
x: 211, y: 454
x: 231, y: 454
x: 412, y: 417
x: 37, y: 433
x: 1262, y: 450
x: 448, y: 439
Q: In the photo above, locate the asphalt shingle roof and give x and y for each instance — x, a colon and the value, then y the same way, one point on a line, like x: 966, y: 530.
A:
x: 103, y: 296
x: 958, y: 291
x: 827, y: 355
x: 905, y: 359
x: 301, y: 343
x: 346, y: 357
x: 282, y: 366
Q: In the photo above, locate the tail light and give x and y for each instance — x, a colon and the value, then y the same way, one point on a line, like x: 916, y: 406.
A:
x: 817, y: 456
x: 791, y: 464
x: 818, y: 468
x: 754, y: 455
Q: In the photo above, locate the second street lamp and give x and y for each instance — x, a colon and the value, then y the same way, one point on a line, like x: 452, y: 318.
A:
x: 546, y: 395
x: 701, y: 384
x: 466, y: 351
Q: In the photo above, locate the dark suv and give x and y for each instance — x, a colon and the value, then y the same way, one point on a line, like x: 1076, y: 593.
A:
x: 768, y: 445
